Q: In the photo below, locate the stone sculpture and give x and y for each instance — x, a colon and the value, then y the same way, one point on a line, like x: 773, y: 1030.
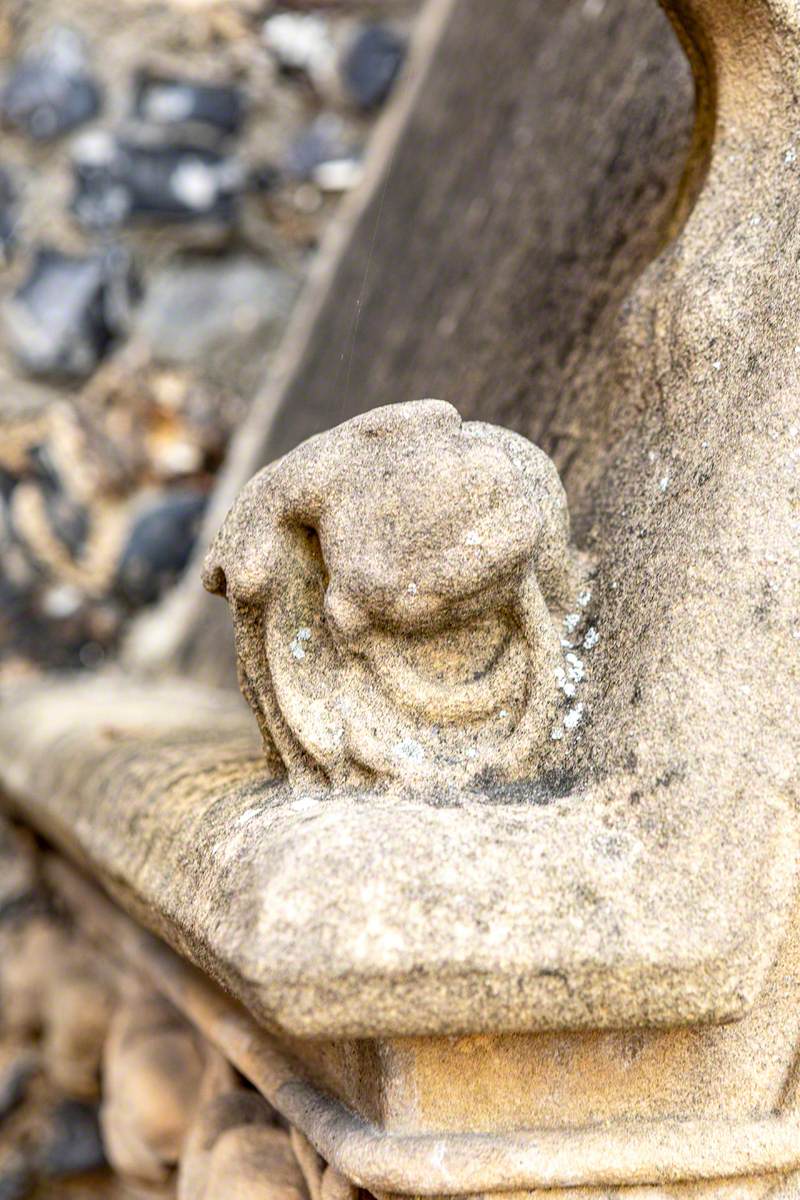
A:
x: 398, y: 587
x: 584, y: 984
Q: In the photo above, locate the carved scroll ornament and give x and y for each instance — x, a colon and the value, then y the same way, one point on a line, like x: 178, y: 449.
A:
x: 397, y: 586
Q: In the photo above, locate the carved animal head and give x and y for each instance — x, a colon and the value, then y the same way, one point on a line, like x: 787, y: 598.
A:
x: 391, y: 584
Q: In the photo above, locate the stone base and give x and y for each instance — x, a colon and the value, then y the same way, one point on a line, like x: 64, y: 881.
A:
x: 453, y: 1117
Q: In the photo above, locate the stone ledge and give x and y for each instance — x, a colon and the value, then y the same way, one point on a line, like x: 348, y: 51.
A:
x: 354, y: 916
x: 609, y: 1153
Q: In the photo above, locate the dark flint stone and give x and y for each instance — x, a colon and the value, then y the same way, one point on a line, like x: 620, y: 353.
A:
x: 320, y: 142
x: 7, y: 484
x: 65, y: 316
x: 51, y: 91
x: 8, y: 216
x: 14, y: 607
x: 371, y: 65
x: 72, y: 1144
x: 42, y: 465
x: 117, y: 181
x: 28, y: 635
x: 265, y: 177
x: 16, y: 1179
x: 159, y: 545
x: 165, y: 101
x: 14, y: 1079
x: 18, y: 880
x: 69, y: 521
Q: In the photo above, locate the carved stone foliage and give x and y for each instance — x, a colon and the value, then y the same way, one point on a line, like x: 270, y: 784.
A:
x: 396, y: 587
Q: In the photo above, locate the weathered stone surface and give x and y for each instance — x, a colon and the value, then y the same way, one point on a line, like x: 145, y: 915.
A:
x: 397, y: 588
x: 690, y: 508
x: 598, y: 923
x: 334, y: 914
x: 708, y: 1110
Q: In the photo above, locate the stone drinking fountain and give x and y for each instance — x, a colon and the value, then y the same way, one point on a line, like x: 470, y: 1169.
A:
x: 498, y: 894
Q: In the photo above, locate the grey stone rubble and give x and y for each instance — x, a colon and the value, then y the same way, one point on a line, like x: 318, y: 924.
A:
x: 164, y: 100
x: 70, y: 310
x: 51, y: 91
x: 122, y: 180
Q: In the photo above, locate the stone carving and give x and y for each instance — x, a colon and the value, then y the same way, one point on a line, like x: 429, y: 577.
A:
x: 397, y: 586
x: 584, y: 989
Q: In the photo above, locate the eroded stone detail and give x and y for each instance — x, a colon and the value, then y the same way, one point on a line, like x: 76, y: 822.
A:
x: 397, y: 587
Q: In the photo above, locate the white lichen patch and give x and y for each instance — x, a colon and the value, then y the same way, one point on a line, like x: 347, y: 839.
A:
x: 229, y: 848
x: 575, y: 667
x: 571, y: 676
x: 567, y: 686
x: 299, y: 642
x: 247, y: 816
x: 304, y: 804
x: 409, y: 750
x: 574, y: 717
